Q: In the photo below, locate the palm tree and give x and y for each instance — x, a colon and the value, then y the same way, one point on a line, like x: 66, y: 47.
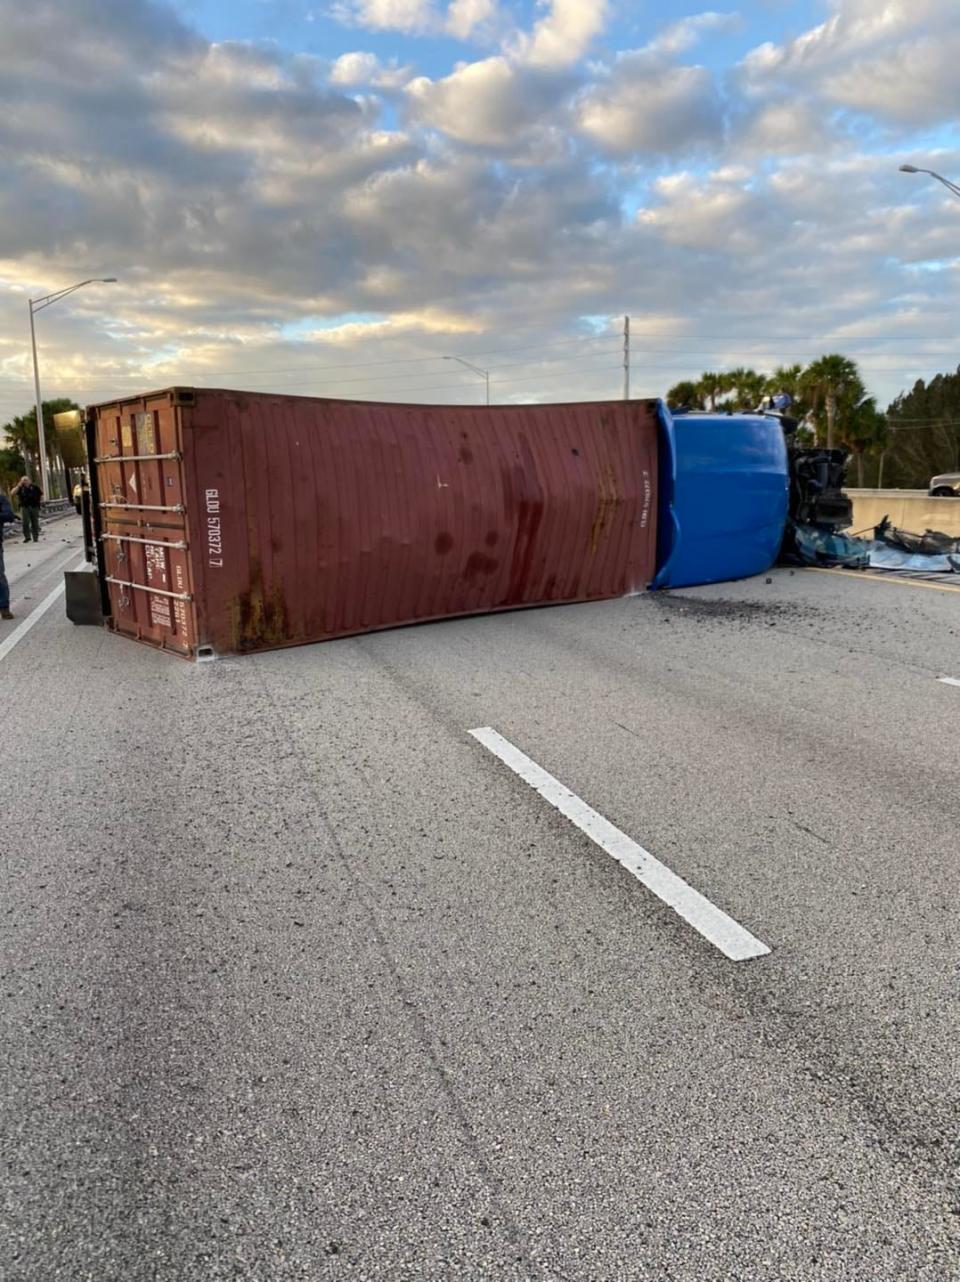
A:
x: 710, y: 386
x: 12, y: 464
x: 787, y: 378
x: 21, y: 433
x: 685, y: 395
x: 747, y: 386
x: 826, y: 382
x: 864, y: 428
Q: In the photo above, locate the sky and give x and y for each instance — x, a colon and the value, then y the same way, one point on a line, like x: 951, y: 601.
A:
x: 335, y: 197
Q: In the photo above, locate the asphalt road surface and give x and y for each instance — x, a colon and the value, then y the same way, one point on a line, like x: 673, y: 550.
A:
x: 300, y: 981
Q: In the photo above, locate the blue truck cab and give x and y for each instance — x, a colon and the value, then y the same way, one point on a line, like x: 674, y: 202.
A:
x: 724, y: 486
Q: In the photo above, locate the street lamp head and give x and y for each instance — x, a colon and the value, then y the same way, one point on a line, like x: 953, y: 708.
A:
x: 107, y: 280
x: 909, y: 169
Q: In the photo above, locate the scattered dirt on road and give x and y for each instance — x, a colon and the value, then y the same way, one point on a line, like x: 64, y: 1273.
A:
x: 701, y: 609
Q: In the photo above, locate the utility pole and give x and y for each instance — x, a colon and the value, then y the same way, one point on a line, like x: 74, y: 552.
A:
x: 626, y: 358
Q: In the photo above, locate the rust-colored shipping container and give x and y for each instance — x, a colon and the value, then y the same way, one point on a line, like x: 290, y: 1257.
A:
x: 229, y: 522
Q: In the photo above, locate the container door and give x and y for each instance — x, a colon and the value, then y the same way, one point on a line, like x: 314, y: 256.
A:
x: 145, y: 555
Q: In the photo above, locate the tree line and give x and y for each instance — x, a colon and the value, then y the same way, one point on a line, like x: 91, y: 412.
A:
x: 830, y: 400
x: 925, y: 429
x: 916, y: 437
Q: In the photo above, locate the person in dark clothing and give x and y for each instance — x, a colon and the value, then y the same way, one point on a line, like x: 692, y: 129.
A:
x: 29, y: 495
x: 6, y: 518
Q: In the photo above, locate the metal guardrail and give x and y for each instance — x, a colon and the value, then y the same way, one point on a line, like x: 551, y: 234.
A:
x: 54, y: 510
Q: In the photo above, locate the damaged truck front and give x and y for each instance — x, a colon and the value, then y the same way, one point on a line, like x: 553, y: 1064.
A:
x: 820, y: 512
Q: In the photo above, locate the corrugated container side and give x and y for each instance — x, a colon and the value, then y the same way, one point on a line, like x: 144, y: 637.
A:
x: 309, y: 519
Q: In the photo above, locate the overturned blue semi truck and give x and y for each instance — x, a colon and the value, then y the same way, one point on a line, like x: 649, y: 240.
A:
x: 227, y: 521
x: 738, y: 494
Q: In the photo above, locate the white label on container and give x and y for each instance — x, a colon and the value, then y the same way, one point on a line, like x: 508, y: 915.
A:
x: 647, y: 500
x: 214, y: 530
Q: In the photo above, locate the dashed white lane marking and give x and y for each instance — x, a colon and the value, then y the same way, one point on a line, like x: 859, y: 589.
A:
x: 21, y: 630
x: 722, y: 931
x: 950, y: 681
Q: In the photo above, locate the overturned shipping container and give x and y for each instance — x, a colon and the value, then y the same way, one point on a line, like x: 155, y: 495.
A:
x: 230, y: 522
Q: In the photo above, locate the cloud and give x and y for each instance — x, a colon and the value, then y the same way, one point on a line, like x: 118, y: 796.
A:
x: 491, y: 103
x: 895, y: 61
x: 563, y: 35
x: 461, y: 18
x: 465, y: 16
x: 683, y: 35
x: 412, y: 16
x: 646, y: 105
x: 189, y: 160
x: 264, y: 211
x: 783, y: 126
x: 857, y: 27
x: 914, y: 84
x: 712, y: 213
x: 358, y: 68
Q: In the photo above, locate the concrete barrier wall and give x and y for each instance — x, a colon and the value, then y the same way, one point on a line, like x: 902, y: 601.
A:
x: 907, y: 509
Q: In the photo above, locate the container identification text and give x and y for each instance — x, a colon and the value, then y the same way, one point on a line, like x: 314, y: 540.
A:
x: 214, y: 531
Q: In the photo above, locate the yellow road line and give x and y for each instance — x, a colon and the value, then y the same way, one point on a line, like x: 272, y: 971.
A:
x: 864, y: 577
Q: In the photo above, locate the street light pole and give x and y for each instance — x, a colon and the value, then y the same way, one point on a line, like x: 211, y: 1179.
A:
x: 37, y: 305
x: 484, y: 373
x: 950, y: 186
x: 41, y: 437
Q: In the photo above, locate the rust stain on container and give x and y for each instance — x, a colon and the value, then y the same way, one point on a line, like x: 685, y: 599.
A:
x: 260, y: 621
x: 234, y: 521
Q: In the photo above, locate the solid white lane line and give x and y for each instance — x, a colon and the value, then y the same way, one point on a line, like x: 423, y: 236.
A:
x: 722, y: 931
x: 21, y: 630
x: 949, y: 681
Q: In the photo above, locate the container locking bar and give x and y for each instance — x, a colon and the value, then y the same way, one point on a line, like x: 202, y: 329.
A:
x: 145, y: 587
x: 146, y: 507
x: 136, y: 458
x: 180, y: 545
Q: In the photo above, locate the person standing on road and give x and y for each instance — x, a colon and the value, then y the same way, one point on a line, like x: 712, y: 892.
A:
x: 6, y: 518
x: 29, y: 495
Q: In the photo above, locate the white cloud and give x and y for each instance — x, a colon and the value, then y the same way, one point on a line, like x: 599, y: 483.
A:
x: 893, y: 59
x: 359, y: 68
x: 857, y: 27
x: 491, y: 103
x: 564, y: 34
x: 783, y: 127
x: 465, y: 16
x: 646, y: 105
x: 414, y: 16
x: 242, y: 193
x: 683, y: 35
x: 461, y: 18
x: 913, y: 84
x: 355, y: 69
x: 718, y: 212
